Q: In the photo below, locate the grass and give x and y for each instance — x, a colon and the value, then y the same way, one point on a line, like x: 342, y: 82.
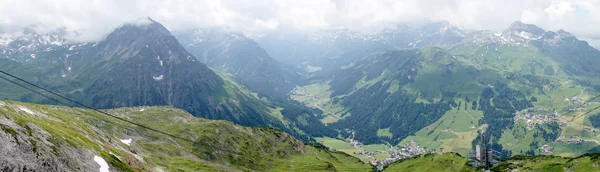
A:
x: 217, y: 146
x: 343, y: 146
x: 338, y: 145
x: 588, y: 162
x: 376, y: 147
x: 324, y: 160
x: 384, y: 133
x: 432, y: 162
x: 453, y: 132
x: 454, y: 162
x: 318, y: 96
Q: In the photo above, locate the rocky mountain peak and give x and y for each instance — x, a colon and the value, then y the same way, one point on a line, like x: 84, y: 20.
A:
x: 140, y: 28
x: 521, y: 28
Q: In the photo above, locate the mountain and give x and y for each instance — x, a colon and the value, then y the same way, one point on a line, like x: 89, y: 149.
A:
x: 234, y: 53
x: 330, y: 49
x: 142, y: 64
x: 252, y: 67
x: 29, y: 43
x: 525, y: 88
x: 139, y: 63
x: 58, y: 138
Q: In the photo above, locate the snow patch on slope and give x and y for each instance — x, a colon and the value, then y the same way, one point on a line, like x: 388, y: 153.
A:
x: 26, y: 110
x: 158, y: 78
x: 127, y: 141
x: 102, y: 163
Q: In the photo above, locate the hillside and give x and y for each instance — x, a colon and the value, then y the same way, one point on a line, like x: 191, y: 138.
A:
x: 48, y: 138
x: 454, y: 162
x: 433, y: 162
x: 525, y: 88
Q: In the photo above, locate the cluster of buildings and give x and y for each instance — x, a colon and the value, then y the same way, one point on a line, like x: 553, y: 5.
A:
x: 575, y: 101
x: 356, y: 143
x: 410, y: 149
x: 532, y: 117
x: 588, y: 128
x: 571, y: 140
x: 547, y: 149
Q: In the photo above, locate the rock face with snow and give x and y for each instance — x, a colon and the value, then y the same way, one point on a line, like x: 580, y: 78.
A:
x: 522, y: 33
x: 574, y: 56
x: 32, y: 42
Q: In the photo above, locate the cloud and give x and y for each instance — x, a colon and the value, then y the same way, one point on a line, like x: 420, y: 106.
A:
x: 95, y: 18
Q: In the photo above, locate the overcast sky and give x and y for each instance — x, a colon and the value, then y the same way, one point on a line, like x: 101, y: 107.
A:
x: 95, y: 18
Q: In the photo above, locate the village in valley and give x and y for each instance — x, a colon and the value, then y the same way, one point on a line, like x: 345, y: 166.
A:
x: 533, y: 117
x: 538, y: 116
x: 390, y: 154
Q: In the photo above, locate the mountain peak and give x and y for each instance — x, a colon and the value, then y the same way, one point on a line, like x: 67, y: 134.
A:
x: 142, y: 27
x: 144, y: 21
x: 519, y: 26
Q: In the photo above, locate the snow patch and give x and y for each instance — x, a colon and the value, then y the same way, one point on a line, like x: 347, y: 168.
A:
x: 26, y: 110
x: 159, y: 169
x: 158, y: 78
x: 527, y: 35
x: 127, y: 141
x: 102, y: 163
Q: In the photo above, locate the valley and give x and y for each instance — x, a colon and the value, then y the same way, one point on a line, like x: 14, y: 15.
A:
x: 334, y: 100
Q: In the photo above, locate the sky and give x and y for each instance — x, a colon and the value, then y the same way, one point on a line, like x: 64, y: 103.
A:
x: 93, y: 19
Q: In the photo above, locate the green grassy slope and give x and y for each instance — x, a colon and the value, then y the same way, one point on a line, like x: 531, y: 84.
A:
x: 454, y: 162
x: 214, y: 146
x: 431, y: 163
x: 587, y: 162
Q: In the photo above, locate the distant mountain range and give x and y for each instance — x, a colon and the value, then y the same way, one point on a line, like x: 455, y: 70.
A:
x: 332, y: 48
x: 438, y: 84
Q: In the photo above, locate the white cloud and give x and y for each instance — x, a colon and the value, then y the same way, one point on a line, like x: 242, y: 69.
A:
x: 560, y: 11
x: 95, y: 18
